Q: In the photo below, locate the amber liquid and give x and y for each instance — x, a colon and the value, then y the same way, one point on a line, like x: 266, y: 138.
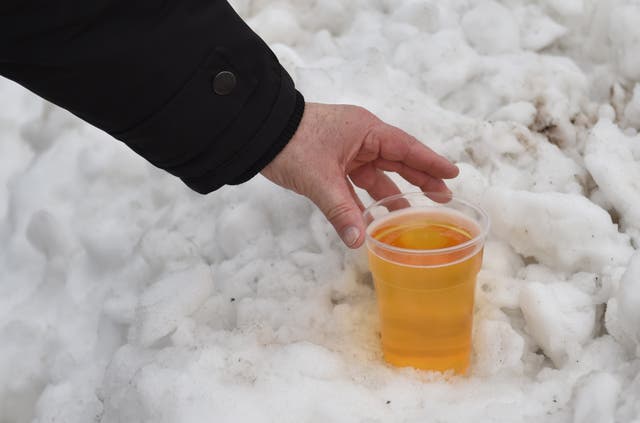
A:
x: 426, y: 300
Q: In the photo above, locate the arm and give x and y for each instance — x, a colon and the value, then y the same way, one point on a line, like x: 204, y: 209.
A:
x: 156, y: 75
x: 186, y: 84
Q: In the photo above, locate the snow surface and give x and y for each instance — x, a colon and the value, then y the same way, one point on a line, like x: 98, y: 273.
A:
x: 124, y: 297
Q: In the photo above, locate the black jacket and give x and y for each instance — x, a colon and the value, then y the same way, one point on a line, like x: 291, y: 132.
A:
x: 184, y: 83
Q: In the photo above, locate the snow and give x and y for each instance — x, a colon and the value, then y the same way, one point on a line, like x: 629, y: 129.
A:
x: 564, y: 231
x: 491, y: 29
x: 559, y: 317
x: 625, y: 36
x: 619, y: 185
x: 596, y: 398
x: 623, y: 313
x: 124, y: 297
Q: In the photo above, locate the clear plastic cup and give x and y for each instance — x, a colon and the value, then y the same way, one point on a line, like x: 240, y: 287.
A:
x: 424, y: 256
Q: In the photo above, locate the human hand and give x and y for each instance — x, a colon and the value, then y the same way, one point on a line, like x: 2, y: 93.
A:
x: 336, y: 145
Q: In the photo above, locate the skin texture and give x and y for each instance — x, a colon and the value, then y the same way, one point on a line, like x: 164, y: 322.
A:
x: 336, y: 146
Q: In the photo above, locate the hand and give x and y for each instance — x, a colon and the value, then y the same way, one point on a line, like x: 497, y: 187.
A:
x: 336, y: 145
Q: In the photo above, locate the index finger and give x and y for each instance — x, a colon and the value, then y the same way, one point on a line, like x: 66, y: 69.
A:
x: 398, y: 146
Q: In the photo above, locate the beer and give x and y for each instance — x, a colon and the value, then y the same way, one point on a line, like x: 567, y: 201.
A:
x: 424, y: 263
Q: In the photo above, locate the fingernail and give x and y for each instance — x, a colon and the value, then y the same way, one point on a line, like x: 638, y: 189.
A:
x: 351, y: 235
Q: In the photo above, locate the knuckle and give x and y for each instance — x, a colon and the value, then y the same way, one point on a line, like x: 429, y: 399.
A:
x: 361, y: 112
x: 364, y: 117
x: 338, y: 211
x: 371, y: 141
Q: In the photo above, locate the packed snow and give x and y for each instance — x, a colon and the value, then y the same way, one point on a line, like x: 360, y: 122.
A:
x: 125, y: 297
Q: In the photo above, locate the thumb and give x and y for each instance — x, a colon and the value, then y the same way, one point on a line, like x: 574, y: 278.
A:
x: 336, y: 201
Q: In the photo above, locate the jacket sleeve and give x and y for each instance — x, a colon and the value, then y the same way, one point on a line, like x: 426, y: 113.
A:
x: 184, y: 83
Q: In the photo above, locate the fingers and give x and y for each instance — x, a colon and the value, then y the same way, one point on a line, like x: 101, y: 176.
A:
x: 427, y: 183
x: 337, y: 200
x: 398, y: 146
x: 354, y: 195
x: 375, y: 182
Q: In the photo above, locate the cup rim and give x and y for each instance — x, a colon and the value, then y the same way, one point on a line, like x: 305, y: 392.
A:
x: 482, y: 234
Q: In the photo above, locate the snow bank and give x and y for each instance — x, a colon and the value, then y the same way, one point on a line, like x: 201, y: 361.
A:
x: 596, y: 398
x: 564, y: 231
x: 613, y: 160
x: 623, y: 310
x: 124, y: 297
x: 559, y: 317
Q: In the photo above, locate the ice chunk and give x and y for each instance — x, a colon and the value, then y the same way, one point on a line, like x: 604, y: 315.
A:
x: 623, y: 311
x: 628, y: 406
x: 48, y: 235
x: 162, y: 248
x: 109, y: 240
x: 491, y: 28
x: 497, y: 346
x: 537, y: 30
x: 501, y: 259
x: 624, y: 32
x: 310, y: 360
x: 522, y: 112
x: 165, y: 303
x: 566, y: 8
x: 277, y: 25
x: 470, y: 184
x: 559, y: 317
x: 239, y: 225
x: 22, y: 366
x: 565, y: 231
x: 613, y: 159
x: 423, y: 14
x: 595, y: 398
x: 632, y: 109
x: 67, y: 402
x: 334, y: 15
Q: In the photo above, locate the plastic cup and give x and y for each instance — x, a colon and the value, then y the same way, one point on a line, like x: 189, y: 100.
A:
x: 424, y: 256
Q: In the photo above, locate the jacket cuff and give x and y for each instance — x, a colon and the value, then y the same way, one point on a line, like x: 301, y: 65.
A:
x: 278, y: 145
x: 278, y: 127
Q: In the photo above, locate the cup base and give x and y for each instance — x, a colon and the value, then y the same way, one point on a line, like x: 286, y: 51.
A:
x: 459, y: 363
